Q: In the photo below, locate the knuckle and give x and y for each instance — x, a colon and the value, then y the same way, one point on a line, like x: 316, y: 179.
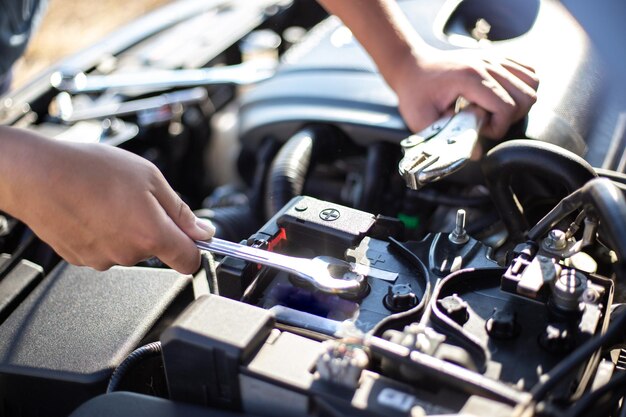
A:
x: 151, y: 243
x: 472, y: 73
x: 100, y: 265
x: 184, y: 215
x: 127, y: 259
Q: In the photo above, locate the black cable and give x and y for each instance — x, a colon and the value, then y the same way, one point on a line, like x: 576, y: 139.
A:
x: 144, y: 352
x: 517, y: 159
x: 208, y: 265
x: 589, y: 399
x: 563, y: 368
x: 618, y: 178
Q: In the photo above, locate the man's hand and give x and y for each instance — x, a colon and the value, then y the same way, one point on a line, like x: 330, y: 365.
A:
x: 96, y: 205
x: 429, y: 86
x: 428, y: 81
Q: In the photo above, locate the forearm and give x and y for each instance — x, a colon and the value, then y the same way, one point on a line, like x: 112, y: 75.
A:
x: 17, y: 148
x: 383, y: 30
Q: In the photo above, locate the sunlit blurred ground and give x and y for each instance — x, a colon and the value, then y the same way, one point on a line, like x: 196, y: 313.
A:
x: 70, y: 25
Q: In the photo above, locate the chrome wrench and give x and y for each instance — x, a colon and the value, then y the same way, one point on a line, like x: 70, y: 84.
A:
x: 240, y: 74
x: 327, y: 274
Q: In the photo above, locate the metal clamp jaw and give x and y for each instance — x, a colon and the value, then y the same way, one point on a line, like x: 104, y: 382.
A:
x: 442, y: 148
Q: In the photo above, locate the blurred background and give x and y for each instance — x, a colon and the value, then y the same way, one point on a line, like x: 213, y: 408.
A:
x: 70, y: 25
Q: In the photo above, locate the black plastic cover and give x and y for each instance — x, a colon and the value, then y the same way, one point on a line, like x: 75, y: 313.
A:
x: 59, y: 347
x: 204, y: 348
x: 128, y: 404
x: 16, y: 284
x: 328, y: 227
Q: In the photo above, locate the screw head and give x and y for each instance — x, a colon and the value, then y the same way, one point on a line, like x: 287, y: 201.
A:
x: 556, y: 240
x: 400, y: 297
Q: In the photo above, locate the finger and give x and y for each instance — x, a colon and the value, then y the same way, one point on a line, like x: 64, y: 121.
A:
x: 491, y: 96
x: 521, y: 72
x: 171, y: 245
x: 522, y: 93
x: 521, y: 64
x: 181, y: 214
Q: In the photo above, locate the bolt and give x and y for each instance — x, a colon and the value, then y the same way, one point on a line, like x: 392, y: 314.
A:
x: 459, y: 236
x: 400, y: 297
x: 502, y: 325
x: 590, y: 296
x: 556, y: 240
x: 568, y: 289
x: 455, y: 308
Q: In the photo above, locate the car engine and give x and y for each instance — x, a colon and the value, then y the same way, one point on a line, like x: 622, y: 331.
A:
x: 358, y: 269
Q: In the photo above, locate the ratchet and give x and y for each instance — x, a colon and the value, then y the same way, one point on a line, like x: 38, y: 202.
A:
x: 325, y: 273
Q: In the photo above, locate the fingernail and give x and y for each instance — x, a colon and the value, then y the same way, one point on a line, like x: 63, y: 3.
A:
x: 207, y: 226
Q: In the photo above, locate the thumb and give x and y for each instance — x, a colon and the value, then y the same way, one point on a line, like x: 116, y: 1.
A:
x: 181, y: 214
x: 192, y: 226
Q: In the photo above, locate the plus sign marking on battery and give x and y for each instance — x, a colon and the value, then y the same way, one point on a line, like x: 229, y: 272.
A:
x: 329, y: 214
x: 374, y: 259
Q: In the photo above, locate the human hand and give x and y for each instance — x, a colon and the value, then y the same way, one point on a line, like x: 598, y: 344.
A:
x: 97, y: 205
x: 428, y: 86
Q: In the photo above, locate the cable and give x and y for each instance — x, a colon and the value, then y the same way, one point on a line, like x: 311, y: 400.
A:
x: 563, y: 368
x: 581, y: 406
x: 208, y: 265
x: 519, y: 158
x: 144, y: 352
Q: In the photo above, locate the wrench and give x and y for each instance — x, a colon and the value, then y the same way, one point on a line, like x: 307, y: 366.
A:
x: 325, y: 273
x: 114, y: 109
x: 241, y: 74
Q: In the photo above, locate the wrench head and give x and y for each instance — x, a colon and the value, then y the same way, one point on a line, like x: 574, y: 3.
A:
x: 335, y: 276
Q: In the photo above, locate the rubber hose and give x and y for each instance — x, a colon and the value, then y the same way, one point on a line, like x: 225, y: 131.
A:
x: 144, y: 352
x: 288, y: 171
x: 609, y: 204
x: 232, y: 223
x: 520, y: 157
x: 376, y: 176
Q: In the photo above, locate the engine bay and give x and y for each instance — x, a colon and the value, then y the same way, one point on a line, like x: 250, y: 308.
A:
x: 423, y: 279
